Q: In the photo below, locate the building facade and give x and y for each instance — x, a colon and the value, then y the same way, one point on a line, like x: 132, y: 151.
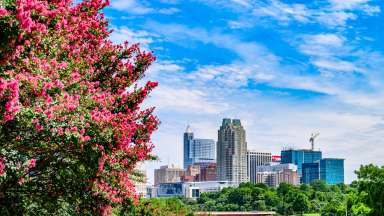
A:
x: 329, y: 170
x: 332, y: 170
x: 197, y: 150
x: 300, y: 156
x: 311, y: 172
x: 187, y: 147
x: 254, y: 160
x: 168, y: 174
x: 232, y: 152
x: 191, y: 189
x: 208, y: 172
x: 274, y: 175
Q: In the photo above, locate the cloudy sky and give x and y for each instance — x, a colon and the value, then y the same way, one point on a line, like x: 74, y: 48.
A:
x: 285, y: 68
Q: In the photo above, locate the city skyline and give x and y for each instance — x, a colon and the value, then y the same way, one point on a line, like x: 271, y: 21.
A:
x: 286, y: 68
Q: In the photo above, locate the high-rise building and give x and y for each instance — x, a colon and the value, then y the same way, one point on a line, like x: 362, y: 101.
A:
x: 188, y: 139
x: 300, y: 156
x: 274, y: 175
x: 232, y: 152
x: 332, y: 170
x: 197, y: 150
x: 168, y: 174
x: 255, y: 159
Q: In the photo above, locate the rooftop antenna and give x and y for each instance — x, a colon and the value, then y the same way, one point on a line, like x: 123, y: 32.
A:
x: 312, y: 139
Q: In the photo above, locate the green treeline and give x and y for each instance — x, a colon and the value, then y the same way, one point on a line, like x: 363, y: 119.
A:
x: 364, y: 197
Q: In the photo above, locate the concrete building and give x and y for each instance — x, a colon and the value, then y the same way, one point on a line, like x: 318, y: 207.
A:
x: 167, y: 174
x: 140, y: 181
x: 191, y: 189
x: 274, y: 175
x: 232, y: 152
x: 197, y: 150
x: 254, y: 160
x: 300, y: 156
x: 330, y: 170
x: 208, y: 172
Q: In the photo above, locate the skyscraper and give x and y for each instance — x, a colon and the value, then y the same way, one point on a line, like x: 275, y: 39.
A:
x: 254, y: 160
x: 232, y: 152
x: 188, y: 139
x: 197, y: 150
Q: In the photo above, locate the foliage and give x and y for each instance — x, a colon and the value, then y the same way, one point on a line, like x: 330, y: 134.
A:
x: 156, y: 207
x: 371, y: 184
x: 70, y: 131
x: 318, y: 197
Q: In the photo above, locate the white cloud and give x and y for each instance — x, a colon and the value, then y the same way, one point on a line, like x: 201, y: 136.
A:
x: 245, y: 3
x: 283, y: 12
x: 123, y: 33
x: 335, y: 14
x: 335, y: 65
x: 131, y: 6
x: 185, y: 100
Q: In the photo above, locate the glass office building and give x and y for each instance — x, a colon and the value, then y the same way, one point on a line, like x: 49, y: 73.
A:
x: 197, y: 150
x: 329, y: 170
x: 311, y: 172
x: 332, y: 170
x: 300, y: 156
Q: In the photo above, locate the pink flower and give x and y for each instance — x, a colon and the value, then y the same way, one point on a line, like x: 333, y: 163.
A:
x: 31, y: 163
x: 2, y: 166
x: 3, y: 12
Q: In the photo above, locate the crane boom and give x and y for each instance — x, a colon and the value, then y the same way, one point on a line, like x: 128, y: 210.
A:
x: 312, y: 139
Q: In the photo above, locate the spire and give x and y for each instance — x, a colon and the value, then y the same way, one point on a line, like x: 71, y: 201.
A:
x: 188, y: 129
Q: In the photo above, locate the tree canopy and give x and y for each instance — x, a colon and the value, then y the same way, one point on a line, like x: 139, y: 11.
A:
x: 71, y: 133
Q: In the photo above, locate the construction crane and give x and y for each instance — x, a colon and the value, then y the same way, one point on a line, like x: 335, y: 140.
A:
x: 312, y: 139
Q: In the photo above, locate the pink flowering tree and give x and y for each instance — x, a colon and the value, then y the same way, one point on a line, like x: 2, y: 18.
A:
x: 71, y: 132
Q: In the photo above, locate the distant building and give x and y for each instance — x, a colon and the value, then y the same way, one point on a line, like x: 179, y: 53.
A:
x: 198, y: 172
x: 254, y: 160
x: 191, y: 189
x: 311, y: 172
x: 197, y: 150
x: 188, y: 141
x: 167, y: 174
x: 208, y: 172
x: 140, y: 181
x: 330, y: 170
x: 300, y: 156
x: 232, y: 152
x: 191, y: 174
x: 274, y: 175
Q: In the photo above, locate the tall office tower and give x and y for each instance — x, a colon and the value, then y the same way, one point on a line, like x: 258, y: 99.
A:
x: 332, y: 170
x: 188, y: 139
x: 254, y: 160
x: 300, y: 156
x: 168, y: 174
x: 232, y: 152
x: 197, y: 150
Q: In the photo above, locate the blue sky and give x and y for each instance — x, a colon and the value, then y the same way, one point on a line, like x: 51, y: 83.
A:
x: 285, y: 68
